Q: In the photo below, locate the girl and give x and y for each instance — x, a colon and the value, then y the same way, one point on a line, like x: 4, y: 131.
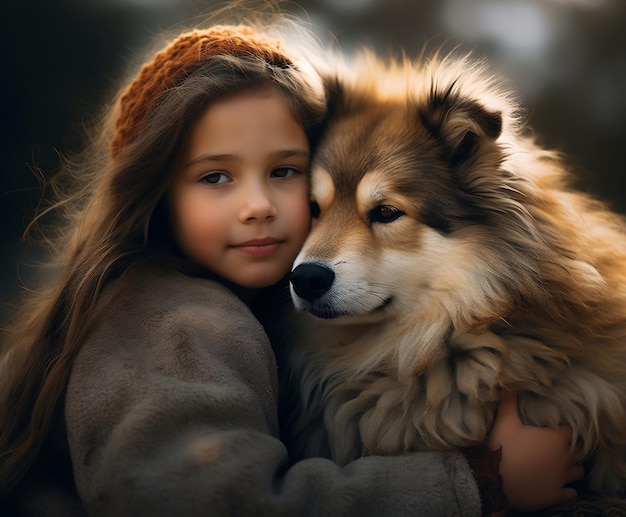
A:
x: 140, y: 383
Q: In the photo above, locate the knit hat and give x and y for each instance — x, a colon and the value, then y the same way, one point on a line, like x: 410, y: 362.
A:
x: 178, y: 60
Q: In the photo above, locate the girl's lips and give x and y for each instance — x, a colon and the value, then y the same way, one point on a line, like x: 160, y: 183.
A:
x: 259, y: 247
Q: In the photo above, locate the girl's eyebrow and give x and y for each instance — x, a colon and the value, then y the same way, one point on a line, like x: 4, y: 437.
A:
x: 282, y: 154
x: 211, y: 158
x: 292, y: 153
x: 289, y: 154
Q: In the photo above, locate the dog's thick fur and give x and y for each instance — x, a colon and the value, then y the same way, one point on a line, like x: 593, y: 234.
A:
x: 451, y: 258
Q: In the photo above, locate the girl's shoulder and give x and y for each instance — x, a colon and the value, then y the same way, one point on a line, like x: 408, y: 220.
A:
x: 158, y: 306
x: 153, y: 318
x: 150, y: 288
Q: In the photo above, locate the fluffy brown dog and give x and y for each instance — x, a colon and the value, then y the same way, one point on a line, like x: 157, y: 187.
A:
x: 449, y: 258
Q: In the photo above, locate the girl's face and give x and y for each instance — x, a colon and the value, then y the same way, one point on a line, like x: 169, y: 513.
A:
x: 239, y: 200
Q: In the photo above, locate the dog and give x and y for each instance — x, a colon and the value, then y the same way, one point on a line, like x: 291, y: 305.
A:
x: 449, y: 257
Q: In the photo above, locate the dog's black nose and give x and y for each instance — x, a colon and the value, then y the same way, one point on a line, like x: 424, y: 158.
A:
x: 310, y: 281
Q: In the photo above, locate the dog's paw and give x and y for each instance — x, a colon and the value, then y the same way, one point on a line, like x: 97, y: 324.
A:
x: 477, y: 361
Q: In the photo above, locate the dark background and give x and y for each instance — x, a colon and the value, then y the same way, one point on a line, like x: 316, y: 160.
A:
x: 59, y: 60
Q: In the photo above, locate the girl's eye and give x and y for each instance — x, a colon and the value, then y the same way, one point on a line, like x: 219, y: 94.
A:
x: 284, y: 172
x: 215, y: 178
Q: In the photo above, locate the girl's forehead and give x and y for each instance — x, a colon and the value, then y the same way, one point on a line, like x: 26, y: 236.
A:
x: 251, y: 126
x: 247, y: 104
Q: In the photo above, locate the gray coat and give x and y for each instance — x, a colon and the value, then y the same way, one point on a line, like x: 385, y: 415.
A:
x: 171, y: 410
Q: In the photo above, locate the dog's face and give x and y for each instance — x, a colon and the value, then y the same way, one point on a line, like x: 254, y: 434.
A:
x: 397, y: 225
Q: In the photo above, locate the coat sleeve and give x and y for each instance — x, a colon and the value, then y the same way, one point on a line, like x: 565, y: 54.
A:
x: 171, y: 410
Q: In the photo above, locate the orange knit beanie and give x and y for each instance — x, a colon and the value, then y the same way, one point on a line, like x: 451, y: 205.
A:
x: 176, y: 61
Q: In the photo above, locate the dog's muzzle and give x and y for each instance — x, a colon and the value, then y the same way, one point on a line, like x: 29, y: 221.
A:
x: 311, y: 281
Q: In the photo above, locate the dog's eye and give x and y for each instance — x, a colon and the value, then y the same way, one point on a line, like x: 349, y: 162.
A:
x: 384, y: 214
x: 315, y: 210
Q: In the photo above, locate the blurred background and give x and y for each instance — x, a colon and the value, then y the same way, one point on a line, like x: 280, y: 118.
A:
x: 59, y: 59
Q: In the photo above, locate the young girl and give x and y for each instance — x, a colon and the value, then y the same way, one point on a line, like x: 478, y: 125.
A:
x: 140, y: 383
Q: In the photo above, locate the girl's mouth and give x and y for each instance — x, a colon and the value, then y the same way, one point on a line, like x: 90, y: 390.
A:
x: 259, y: 247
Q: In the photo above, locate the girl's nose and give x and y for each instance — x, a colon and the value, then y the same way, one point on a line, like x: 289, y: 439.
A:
x: 257, y: 204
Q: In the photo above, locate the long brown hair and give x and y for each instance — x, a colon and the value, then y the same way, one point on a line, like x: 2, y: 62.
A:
x: 115, y: 216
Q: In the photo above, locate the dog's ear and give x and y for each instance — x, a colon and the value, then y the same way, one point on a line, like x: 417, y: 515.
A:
x: 334, y: 91
x: 460, y: 123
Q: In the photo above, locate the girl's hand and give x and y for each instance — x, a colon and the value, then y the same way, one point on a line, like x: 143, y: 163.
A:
x: 537, y: 462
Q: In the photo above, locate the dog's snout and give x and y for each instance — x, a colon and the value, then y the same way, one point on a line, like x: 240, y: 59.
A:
x: 311, y: 281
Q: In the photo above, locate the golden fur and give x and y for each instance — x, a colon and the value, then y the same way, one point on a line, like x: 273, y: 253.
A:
x: 451, y: 258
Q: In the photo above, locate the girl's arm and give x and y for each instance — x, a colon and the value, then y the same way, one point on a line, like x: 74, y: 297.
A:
x: 171, y: 410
